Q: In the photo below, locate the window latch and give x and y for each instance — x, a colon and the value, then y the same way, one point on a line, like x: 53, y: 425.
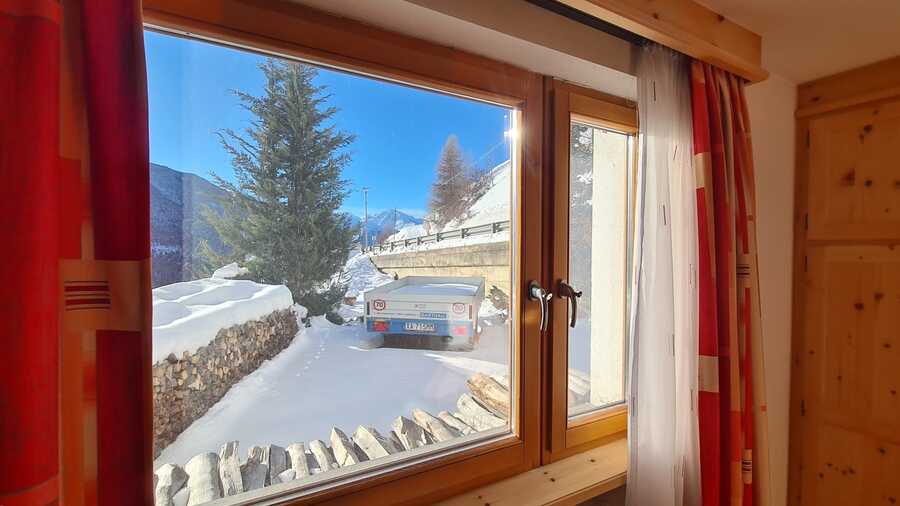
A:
x: 537, y: 293
x: 566, y: 290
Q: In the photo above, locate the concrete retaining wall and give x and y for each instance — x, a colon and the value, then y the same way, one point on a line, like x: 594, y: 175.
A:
x: 490, y: 260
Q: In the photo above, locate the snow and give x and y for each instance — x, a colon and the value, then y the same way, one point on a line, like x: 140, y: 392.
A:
x: 188, y: 315
x: 230, y: 271
x: 360, y: 275
x: 409, y: 232
x: 331, y: 376
x: 436, y: 289
x: 502, y: 236
x: 492, y: 207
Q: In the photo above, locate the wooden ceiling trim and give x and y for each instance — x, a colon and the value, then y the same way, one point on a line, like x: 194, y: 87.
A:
x: 685, y: 26
x: 877, y: 81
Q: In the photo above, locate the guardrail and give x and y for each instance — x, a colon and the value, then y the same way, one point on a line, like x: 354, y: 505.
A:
x: 461, y: 233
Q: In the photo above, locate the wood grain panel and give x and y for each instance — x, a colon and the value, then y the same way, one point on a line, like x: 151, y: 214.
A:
x: 849, y: 397
x: 854, y: 175
x: 864, y: 84
x: 685, y: 26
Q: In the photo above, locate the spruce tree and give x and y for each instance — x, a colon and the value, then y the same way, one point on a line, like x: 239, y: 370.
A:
x: 452, y: 189
x: 280, y: 217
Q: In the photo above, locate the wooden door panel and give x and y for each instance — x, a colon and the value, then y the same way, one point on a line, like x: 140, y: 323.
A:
x: 883, y: 482
x: 885, y: 386
x: 854, y: 174
x: 851, y: 372
x: 834, y: 477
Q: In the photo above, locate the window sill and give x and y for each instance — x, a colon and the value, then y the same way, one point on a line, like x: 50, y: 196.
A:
x: 568, y: 481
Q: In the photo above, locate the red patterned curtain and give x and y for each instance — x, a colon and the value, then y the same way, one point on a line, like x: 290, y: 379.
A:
x: 732, y: 409
x: 75, y: 400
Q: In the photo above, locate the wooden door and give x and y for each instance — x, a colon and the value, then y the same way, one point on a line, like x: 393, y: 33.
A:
x: 851, y: 395
x: 845, y: 400
x: 854, y: 178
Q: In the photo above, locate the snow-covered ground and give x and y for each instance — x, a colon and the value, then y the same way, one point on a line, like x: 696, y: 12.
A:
x: 493, y: 206
x: 330, y: 376
x: 188, y: 315
x: 360, y: 275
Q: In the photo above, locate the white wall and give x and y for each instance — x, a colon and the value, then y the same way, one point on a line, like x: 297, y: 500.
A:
x: 772, y: 104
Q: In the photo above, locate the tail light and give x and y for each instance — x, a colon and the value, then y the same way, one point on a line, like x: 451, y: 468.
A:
x: 380, y: 326
x: 459, y: 330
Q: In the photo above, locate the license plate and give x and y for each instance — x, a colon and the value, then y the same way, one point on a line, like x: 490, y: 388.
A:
x: 419, y: 327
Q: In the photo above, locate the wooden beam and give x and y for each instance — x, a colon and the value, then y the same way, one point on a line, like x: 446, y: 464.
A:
x: 685, y: 26
x: 568, y: 481
x: 869, y: 83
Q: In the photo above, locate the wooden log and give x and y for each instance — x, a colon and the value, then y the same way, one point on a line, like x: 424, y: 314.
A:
x: 579, y: 382
x: 461, y: 426
x: 181, y: 497
x: 169, y: 479
x: 273, y: 456
x: 578, y: 387
x: 373, y: 444
x: 490, y: 393
x: 203, y: 478
x: 285, y: 476
x: 438, y: 430
x: 476, y: 415
x: 230, y: 469
x: 253, y: 474
x: 343, y: 448
x: 323, y: 455
x: 409, y: 434
x: 297, y: 454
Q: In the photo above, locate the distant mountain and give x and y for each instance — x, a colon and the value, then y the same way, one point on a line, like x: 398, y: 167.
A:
x: 385, y: 221
x: 177, y: 227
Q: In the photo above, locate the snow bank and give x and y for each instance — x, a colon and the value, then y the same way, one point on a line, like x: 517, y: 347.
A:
x: 230, y: 271
x: 360, y: 275
x: 493, y: 206
x: 336, y: 376
x: 188, y: 315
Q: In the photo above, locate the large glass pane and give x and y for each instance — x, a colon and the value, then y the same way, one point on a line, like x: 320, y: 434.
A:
x: 331, y: 270
x: 599, y: 161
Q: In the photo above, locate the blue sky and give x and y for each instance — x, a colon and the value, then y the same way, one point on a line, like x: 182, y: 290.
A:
x: 399, y: 130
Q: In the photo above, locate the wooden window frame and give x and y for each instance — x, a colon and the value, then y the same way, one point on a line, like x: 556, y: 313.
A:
x: 298, y: 32
x: 540, y: 434
x: 562, y: 438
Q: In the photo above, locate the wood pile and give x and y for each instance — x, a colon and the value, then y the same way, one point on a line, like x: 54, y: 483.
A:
x: 211, y: 476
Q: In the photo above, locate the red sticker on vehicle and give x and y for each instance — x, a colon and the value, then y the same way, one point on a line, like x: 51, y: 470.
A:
x: 459, y: 308
x: 379, y: 305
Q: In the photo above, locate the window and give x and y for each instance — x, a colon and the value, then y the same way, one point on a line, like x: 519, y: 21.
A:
x: 334, y: 263
x: 463, y: 360
x: 598, y: 176
x: 594, y: 157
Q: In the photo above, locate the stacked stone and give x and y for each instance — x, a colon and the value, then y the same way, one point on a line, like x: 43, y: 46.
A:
x: 210, y: 476
x: 185, y: 387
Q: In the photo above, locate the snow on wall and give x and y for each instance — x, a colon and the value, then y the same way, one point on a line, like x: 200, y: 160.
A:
x: 491, y: 207
x: 188, y: 315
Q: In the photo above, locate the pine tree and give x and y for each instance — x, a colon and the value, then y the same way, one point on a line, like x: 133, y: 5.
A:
x: 452, y: 189
x: 280, y: 218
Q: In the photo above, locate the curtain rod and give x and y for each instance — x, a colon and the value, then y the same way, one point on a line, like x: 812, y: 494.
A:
x: 588, y: 20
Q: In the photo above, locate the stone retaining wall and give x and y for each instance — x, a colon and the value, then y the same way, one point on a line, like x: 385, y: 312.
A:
x: 488, y: 260
x: 185, y: 387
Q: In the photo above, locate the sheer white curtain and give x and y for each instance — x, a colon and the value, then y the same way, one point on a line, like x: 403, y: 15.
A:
x: 664, y: 467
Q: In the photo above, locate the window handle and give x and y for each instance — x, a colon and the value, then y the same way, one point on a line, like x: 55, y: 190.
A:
x: 536, y: 292
x: 566, y: 290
